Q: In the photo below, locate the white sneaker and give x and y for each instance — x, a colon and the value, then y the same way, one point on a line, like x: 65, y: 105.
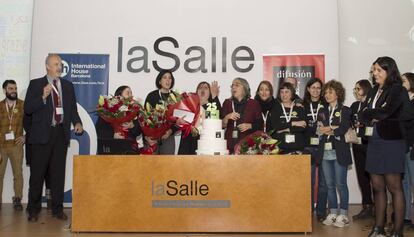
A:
x: 341, y: 221
x: 330, y: 219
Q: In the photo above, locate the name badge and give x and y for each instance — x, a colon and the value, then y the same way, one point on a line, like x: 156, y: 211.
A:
x: 314, y: 141
x: 289, y: 138
x: 328, y: 146
x: 369, y: 131
x: 359, y: 142
x: 59, y: 110
x: 9, y: 136
x: 235, y: 134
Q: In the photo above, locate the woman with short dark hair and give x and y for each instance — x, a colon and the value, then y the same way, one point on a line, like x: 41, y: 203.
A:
x: 208, y: 95
x: 104, y: 129
x: 164, y: 82
x: 289, y: 121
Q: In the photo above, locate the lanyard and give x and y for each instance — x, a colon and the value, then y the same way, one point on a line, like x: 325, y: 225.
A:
x: 314, y: 115
x: 376, y: 98
x: 359, y: 109
x: 159, y: 91
x: 264, y: 120
x: 290, y: 112
x: 232, y: 106
x: 331, y: 115
x: 12, y: 113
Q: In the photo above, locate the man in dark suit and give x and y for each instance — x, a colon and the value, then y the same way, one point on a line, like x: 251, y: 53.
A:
x: 51, y: 103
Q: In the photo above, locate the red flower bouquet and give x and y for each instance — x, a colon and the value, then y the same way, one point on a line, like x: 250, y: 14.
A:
x: 257, y: 143
x: 117, y: 110
x: 186, y: 105
x: 153, y: 120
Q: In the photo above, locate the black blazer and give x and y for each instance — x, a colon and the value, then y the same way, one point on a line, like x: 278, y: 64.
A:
x: 42, y: 114
x: 408, y: 123
x: 342, y: 149
x: 355, y: 118
x: 388, y: 109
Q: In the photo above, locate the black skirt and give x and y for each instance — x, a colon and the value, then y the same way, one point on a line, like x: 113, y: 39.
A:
x: 385, y: 156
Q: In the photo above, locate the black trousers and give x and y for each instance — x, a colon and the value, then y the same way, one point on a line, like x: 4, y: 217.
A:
x: 48, y: 160
x: 364, y: 182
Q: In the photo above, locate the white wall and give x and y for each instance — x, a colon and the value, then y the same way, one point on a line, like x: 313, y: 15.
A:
x: 367, y: 30
x: 267, y: 27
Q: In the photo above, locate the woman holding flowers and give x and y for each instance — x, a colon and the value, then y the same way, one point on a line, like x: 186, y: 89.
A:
x: 208, y: 95
x: 104, y: 129
x: 164, y: 82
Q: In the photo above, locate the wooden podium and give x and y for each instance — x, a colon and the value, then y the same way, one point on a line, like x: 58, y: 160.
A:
x: 191, y: 194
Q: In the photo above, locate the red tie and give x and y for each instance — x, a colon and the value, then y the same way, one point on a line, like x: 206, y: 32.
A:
x: 56, y: 103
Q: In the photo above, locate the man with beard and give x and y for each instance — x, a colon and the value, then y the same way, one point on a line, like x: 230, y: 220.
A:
x: 12, y: 140
x: 51, y: 102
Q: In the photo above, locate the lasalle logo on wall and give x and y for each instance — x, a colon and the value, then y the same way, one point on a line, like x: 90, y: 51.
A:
x: 189, y: 194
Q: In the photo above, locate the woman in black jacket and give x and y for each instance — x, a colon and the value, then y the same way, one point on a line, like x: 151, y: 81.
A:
x: 208, y: 97
x: 288, y: 121
x: 313, y: 101
x: 386, y: 145
x: 164, y: 82
x: 408, y: 124
x: 333, y: 152
x: 104, y: 130
x: 361, y: 89
x: 264, y: 95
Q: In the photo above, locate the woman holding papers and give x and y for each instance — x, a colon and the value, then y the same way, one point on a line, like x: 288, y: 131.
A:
x: 208, y: 95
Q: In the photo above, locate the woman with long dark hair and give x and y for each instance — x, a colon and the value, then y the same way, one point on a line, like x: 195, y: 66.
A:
x: 313, y: 101
x: 386, y: 145
x: 264, y: 95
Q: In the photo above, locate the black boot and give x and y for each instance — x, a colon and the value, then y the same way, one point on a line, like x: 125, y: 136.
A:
x: 377, y: 231
x: 17, y: 204
x: 366, y: 212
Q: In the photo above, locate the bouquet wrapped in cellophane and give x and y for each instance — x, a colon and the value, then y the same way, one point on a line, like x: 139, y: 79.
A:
x: 257, y: 143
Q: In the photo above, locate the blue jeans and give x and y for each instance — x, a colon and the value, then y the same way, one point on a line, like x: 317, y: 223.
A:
x: 408, y: 183
x: 322, y: 195
x: 336, y: 177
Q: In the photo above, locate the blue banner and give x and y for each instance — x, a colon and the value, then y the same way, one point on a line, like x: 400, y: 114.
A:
x: 89, y: 74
